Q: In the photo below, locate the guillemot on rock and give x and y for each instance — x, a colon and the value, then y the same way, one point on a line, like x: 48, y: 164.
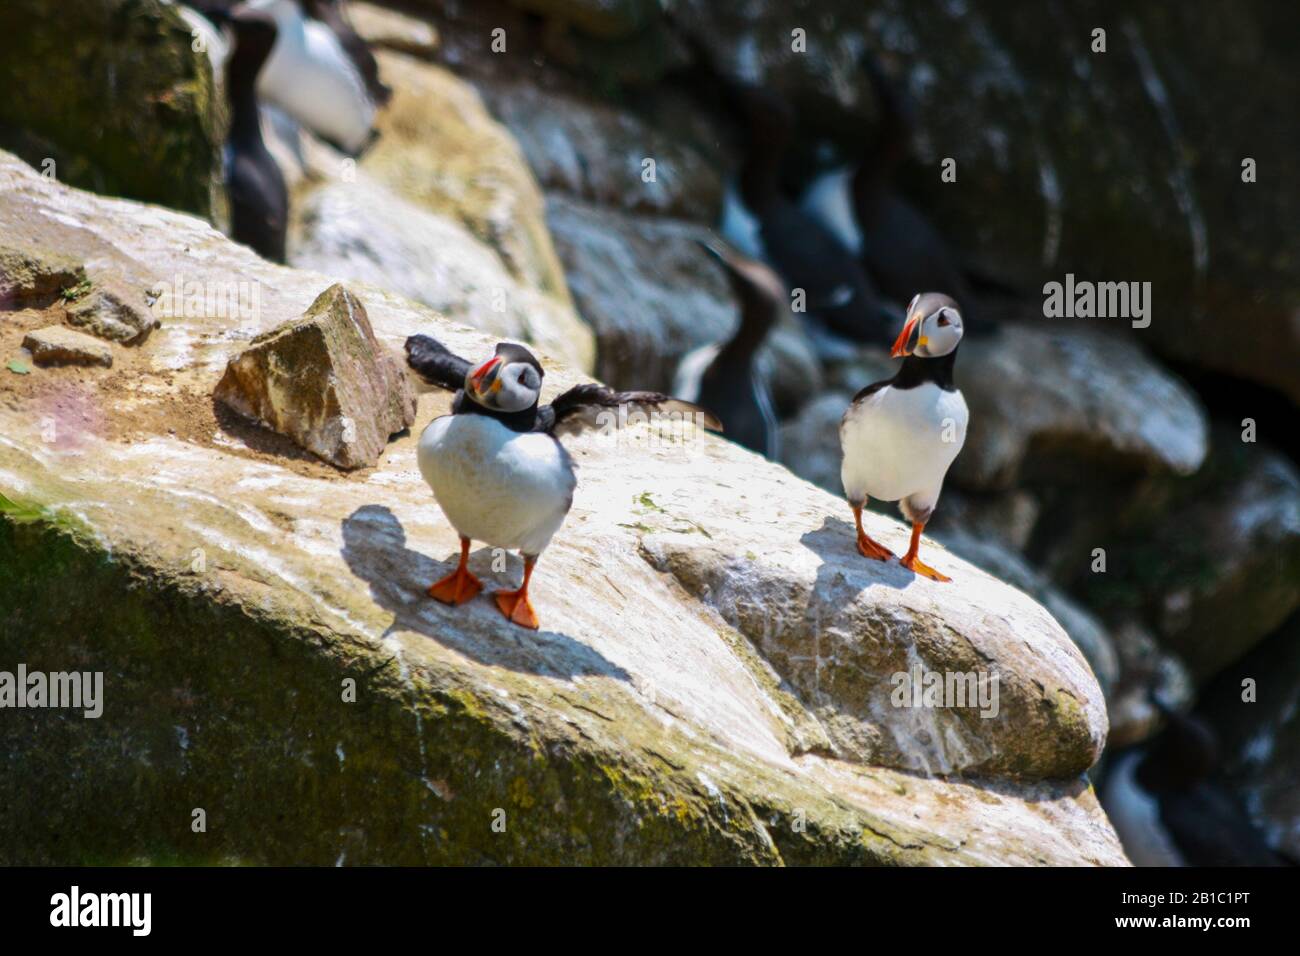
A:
x: 725, y: 377
x: 899, y: 436
x: 259, y: 199
x: 495, y: 464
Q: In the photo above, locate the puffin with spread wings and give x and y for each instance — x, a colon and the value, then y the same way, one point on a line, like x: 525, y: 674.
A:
x: 495, y: 464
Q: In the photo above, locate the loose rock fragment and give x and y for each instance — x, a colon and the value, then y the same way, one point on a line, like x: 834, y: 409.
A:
x: 113, y: 310
x: 57, y: 345
x: 30, y: 278
x: 324, y: 381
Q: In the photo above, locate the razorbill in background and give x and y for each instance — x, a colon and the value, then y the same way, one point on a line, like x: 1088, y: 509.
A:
x: 1167, y: 808
x: 311, y: 76
x: 725, y: 377
x: 900, y: 436
x: 495, y: 464
x: 763, y: 222
x: 259, y: 200
x: 900, y: 248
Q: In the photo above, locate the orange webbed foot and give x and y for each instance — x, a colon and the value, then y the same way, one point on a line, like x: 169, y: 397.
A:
x: 517, y: 608
x: 873, y: 549
x: 456, y: 588
x: 867, y: 547
x: 917, y: 566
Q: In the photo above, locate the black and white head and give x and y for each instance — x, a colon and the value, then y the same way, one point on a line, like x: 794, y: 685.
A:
x: 510, y: 381
x: 933, y: 327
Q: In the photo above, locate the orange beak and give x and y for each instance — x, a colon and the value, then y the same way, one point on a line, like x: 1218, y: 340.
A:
x: 910, y: 327
x: 476, y: 377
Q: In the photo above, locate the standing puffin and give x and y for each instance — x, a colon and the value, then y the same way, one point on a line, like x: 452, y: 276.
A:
x: 495, y: 464
x: 725, y: 377
x: 900, y: 436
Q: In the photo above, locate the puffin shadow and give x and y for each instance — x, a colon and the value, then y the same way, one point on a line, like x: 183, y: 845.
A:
x: 374, y: 547
x: 835, y: 542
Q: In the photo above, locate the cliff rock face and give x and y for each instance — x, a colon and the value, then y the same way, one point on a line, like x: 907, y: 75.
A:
x: 712, y: 682
x: 1151, y: 195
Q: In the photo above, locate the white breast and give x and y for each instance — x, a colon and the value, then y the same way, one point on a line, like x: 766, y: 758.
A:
x: 830, y: 200
x: 501, y: 487
x: 310, y: 77
x: 899, y: 443
x: 690, y: 371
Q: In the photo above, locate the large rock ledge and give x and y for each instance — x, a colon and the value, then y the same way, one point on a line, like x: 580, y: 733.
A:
x: 227, y: 588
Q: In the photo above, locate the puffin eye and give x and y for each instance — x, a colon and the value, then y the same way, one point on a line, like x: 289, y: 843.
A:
x: 943, y: 319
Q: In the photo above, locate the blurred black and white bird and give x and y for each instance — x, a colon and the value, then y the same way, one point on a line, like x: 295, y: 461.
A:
x: 495, y: 464
x: 1167, y: 808
x: 321, y: 73
x: 898, y: 246
x: 763, y: 223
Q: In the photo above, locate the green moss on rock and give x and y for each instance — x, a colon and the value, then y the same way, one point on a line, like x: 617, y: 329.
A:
x: 113, y: 92
x: 213, y: 705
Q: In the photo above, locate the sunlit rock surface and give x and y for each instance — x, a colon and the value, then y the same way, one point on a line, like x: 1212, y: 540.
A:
x: 58, y: 345
x: 228, y: 586
x: 35, y: 276
x: 112, y: 309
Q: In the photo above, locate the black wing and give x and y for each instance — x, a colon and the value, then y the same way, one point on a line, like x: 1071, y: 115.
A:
x: 595, y: 406
x: 435, y: 363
